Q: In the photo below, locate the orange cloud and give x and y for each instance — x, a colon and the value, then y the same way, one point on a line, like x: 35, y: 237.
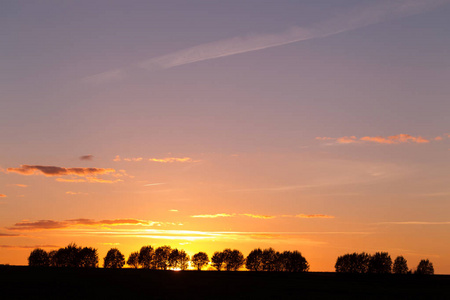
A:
x: 59, y: 171
x: 395, y: 139
x: 213, y: 216
x: 28, y: 247
x: 8, y: 234
x: 171, y: 159
x: 2, y: 195
x: 75, y: 193
x: 438, y: 138
x: 51, y: 224
x: 257, y: 216
x: 69, y: 180
x: 320, y: 216
x: 20, y: 185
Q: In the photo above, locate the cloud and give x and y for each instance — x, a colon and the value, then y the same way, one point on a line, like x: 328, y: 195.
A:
x: 28, y: 247
x: 59, y: 171
x: 3, y: 195
x: 8, y: 234
x: 173, y: 210
x: 357, y: 17
x: 105, y: 77
x: 393, y: 139
x: 214, y: 216
x: 19, y: 185
x: 154, y: 184
x: 75, y: 193
x: 438, y: 138
x: 161, y: 160
x: 257, y: 216
x: 416, y: 223
x: 87, y: 157
x: 316, y: 216
x: 69, y: 180
x: 52, y: 224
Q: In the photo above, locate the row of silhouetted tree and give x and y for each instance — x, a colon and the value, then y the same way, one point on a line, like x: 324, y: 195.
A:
x: 379, y: 263
x: 164, y: 258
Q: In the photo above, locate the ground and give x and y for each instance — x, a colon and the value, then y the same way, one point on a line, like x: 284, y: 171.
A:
x: 65, y: 283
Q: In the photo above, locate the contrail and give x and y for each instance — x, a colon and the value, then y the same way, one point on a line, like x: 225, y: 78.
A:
x: 352, y: 19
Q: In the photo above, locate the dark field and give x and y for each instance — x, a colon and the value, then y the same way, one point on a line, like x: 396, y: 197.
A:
x: 65, y: 283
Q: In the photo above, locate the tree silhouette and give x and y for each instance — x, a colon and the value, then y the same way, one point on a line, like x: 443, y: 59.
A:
x: 146, y: 257
x: 199, y: 260
x: 38, y: 258
x: 88, y: 258
x: 133, y: 260
x: 178, y: 259
x: 254, y: 261
x: 161, y: 257
x: 425, y: 267
x: 52, y: 259
x: 353, y: 263
x: 380, y: 263
x: 400, y: 265
x: 114, y: 259
x: 295, y: 262
x: 218, y: 260
x: 233, y: 259
x: 67, y: 256
x: 268, y: 259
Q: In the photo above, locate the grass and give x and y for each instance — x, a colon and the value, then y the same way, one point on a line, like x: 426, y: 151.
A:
x: 64, y: 283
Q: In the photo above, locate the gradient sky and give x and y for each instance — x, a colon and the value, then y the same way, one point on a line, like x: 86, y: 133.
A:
x: 318, y: 126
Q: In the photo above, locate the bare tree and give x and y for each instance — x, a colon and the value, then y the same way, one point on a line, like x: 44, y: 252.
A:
x: 199, y: 260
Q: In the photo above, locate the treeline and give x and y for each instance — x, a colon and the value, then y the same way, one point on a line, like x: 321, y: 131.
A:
x: 379, y: 263
x: 164, y: 258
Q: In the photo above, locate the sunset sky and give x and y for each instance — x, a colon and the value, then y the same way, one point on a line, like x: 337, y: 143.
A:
x: 313, y: 125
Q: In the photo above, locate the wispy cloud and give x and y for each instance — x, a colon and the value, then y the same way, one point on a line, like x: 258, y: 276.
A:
x: 393, y: 139
x: 108, y: 76
x: 87, y: 157
x: 160, y: 160
x: 58, y: 171
x: 214, y: 216
x: 257, y: 216
x: 8, y: 234
x: 28, y: 247
x: 154, y: 184
x: 357, y: 17
x: 19, y: 185
x: 75, y: 193
x: 173, y: 210
x: 52, y: 224
x: 315, y: 216
x: 3, y: 195
x: 416, y: 223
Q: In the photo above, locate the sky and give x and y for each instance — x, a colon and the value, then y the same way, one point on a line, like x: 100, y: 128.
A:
x: 318, y: 125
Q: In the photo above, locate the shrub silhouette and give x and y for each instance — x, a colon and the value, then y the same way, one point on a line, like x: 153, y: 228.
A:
x: 199, y: 260
x: 146, y: 257
x: 425, y: 267
x: 114, y: 259
x: 133, y: 260
x: 380, y: 263
x: 38, y: 258
x: 295, y: 262
x: 400, y: 266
